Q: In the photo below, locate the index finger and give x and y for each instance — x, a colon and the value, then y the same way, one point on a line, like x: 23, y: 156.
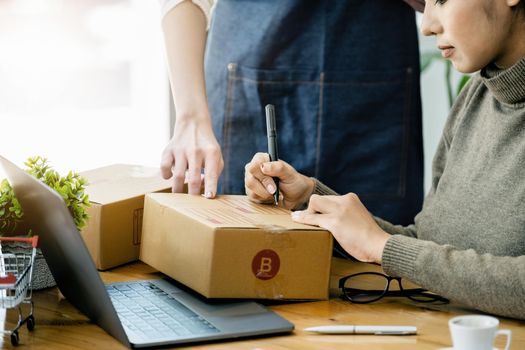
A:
x: 213, y: 166
x: 254, y: 170
x: 194, y: 173
x: 179, y: 174
x: 254, y: 166
x: 322, y: 204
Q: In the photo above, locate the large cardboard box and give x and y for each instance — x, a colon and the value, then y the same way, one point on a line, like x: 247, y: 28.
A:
x: 114, y: 229
x: 229, y: 247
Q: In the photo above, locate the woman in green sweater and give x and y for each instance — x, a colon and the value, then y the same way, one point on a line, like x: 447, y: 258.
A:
x: 468, y: 242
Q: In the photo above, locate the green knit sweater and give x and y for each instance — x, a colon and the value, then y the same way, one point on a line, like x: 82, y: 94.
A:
x: 468, y: 241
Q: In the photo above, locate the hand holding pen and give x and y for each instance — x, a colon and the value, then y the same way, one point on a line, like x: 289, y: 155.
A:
x: 294, y: 188
x: 267, y: 177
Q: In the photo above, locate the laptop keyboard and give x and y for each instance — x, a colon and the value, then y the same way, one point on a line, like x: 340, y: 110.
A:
x: 148, y: 313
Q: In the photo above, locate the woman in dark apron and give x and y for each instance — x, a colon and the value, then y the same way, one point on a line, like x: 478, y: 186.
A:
x: 344, y: 79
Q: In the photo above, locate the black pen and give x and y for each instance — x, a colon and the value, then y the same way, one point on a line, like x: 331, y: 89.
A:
x: 272, y: 144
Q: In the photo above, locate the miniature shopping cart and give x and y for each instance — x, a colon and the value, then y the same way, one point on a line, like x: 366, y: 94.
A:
x: 16, y: 272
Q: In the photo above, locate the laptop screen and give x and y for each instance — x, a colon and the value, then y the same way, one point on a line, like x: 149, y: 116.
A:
x: 65, y: 252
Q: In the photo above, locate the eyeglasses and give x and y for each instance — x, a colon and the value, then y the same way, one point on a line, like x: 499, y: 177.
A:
x: 359, y: 288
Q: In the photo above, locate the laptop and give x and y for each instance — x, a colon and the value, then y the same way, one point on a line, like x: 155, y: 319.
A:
x: 137, y: 313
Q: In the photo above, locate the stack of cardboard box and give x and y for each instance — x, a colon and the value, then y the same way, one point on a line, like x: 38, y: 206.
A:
x: 227, y: 247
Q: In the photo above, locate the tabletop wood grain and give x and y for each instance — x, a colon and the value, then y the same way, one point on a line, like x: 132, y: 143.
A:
x: 60, y: 326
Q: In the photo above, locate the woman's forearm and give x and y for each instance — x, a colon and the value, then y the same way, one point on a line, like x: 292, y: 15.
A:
x: 184, y: 30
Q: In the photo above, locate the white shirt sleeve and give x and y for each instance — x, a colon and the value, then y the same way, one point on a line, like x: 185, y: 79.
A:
x: 205, y: 5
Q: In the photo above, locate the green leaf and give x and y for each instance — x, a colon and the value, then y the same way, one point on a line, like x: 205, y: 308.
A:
x: 70, y: 187
x: 464, y: 79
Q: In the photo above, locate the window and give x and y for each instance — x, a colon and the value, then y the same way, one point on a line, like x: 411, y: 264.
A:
x: 82, y: 82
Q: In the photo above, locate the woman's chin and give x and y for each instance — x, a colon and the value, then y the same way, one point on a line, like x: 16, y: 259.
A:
x: 466, y: 66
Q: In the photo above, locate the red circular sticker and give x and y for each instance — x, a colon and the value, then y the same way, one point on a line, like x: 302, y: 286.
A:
x: 265, y: 264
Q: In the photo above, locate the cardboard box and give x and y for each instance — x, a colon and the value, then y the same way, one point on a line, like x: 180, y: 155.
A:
x: 114, y: 229
x: 229, y: 247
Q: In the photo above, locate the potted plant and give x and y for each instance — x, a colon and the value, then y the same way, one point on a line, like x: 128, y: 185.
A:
x: 70, y: 187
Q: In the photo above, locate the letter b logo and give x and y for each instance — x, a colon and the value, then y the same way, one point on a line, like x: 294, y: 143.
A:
x: 265, y: 264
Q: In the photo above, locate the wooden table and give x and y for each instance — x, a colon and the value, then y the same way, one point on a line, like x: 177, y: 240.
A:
x: 61, y: 326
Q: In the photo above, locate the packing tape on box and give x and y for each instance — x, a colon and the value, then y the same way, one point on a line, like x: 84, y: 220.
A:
x: 273, y: 290
x: 277, y: 236
x: 271, y: 285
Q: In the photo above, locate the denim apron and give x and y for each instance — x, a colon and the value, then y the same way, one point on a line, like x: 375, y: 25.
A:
x: 344, y: 79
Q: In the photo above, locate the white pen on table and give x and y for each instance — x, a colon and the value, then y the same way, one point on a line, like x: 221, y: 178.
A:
x: 355, y: 329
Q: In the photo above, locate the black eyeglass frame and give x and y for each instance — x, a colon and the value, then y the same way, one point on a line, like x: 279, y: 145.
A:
x: 408, y: 293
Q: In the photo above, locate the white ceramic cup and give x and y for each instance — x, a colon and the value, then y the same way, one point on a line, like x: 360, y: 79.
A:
x: 476, y: 332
